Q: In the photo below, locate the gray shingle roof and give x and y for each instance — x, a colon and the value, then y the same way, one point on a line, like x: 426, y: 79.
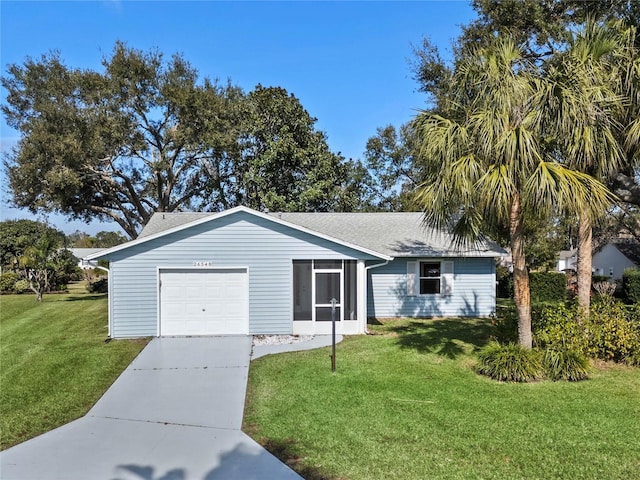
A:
x: 81, y: 253
x: 160, y: 221
x: 566, y: 254
x: 398, y: 234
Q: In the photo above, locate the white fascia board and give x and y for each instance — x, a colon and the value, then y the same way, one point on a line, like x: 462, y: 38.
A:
x: 232, y: 211
x: 455, y: 254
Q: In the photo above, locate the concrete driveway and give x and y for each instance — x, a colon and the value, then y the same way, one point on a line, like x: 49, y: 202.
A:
x: 174, y: 414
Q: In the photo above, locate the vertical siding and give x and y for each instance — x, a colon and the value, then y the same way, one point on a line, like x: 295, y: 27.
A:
x: 239, y: 240
x: 473, y: 291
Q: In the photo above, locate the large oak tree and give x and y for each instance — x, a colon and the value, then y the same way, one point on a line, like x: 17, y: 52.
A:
x: 145, y: 135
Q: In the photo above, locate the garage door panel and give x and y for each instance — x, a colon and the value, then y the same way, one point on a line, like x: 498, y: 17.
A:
x: 193, y: 293
x: 204, y: 302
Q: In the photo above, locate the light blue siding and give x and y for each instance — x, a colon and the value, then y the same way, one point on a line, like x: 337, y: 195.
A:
x: 266, y: 248
x: 473, y: 291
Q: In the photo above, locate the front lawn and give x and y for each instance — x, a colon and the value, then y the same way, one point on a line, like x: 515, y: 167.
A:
x: 54, y: 362
x: 406, y: 404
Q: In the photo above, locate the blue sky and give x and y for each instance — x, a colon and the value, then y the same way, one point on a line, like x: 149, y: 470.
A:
x: 347, y: 62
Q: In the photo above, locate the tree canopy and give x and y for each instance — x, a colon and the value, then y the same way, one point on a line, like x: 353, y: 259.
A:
x: 545, y: 31
x: 541, y: 26
x: 102, y: 239
x: 37, y: 253
x: 18, y: 235
x: 145, y: 135
x: 392, y: 160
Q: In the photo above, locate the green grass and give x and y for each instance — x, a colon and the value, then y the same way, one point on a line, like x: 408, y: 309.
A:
x: 407, y: 404
x: 54, y: 362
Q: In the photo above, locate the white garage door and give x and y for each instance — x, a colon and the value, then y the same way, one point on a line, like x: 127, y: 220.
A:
x: 204, y: 302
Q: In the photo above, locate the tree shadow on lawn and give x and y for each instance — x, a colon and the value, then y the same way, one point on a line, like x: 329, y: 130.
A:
x: 447, y: 337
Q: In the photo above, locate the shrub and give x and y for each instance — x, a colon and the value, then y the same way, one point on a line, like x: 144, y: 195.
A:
x: 631, y: 285
x: 505, y: 326
x: 99, y: 286
x: 8, y: 281
x: 611, y: 332
x: 633, y: 359
x: 22, y: 286
x: 599, y: 278
x: 604, y: 289
x: 98, y: 272
x: 558, y: 327
x: 510, y: 363
x: 633, y: 314
x: 548, y: 286
x: 565, y: 364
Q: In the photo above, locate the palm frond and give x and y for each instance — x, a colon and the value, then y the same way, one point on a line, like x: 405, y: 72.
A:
x: 442, y: 140
x: 435, y: 205
x: 595, y: 148
x: 554, y: 188
x: 632, y: 138
x: 495, y: 190
x: 468, y: 229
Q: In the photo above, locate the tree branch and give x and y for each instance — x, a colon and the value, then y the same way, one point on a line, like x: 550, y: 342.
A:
x: 133, y: 194
x: 127, y: 225
x: 626, y: 188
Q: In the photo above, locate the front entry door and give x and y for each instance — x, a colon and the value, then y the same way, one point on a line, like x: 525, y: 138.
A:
x: 327, y: 286
x: 315, y: 283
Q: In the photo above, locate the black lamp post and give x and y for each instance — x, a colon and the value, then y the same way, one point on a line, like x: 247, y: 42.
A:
x: 333, y: 334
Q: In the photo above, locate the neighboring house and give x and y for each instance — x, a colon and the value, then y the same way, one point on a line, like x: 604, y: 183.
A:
x: 615, y: 257
x: 568, y: 260
x: 82, y: 253
x: 246, y: 272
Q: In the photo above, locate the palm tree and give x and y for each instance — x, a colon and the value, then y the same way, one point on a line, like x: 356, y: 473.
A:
x: 36, y: 264
x: 486, y: 163
x: 582, y: 104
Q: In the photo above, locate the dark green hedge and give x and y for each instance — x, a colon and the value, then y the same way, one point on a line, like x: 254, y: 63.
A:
x: 99, y: 286
x: 631, y: 285
x: 548, y: 286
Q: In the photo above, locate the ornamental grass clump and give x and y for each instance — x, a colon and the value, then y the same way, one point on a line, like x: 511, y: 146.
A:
x: 510, y: 363
x: 565, y: 364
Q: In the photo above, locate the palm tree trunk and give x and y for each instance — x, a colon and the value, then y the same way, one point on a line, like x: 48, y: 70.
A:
x: 584, y: 263
x: 521, y: 291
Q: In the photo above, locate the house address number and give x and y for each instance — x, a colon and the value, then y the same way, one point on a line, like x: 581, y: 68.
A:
x: 202, y: 263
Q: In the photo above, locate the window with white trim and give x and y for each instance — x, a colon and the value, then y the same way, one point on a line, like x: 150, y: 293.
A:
x: 430, y: 277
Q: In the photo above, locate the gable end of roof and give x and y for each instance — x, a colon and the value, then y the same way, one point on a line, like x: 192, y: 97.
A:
x: 199, y: 218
